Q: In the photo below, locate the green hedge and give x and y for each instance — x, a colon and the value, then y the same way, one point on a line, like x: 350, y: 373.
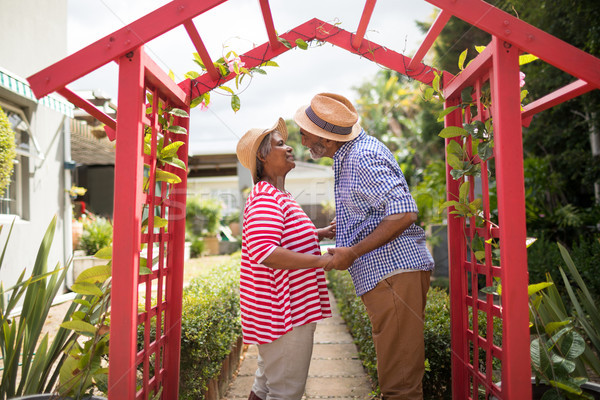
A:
x: 210, y: 326
x: 437, y: 380
x: 543, y: 256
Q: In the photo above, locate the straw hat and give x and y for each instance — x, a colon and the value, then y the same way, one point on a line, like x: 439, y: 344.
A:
x: 247, y: 147
x: 329, y: 116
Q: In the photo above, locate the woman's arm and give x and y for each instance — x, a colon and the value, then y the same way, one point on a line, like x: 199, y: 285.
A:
x: 282, y: 258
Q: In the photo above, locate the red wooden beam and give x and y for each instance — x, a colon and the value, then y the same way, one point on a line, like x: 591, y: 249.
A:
x: 87, y: 106
x: 559, y: 96
x: 526, y: 37
x: 158, y: 79
x: 268, y: 19
x: 434, y: 31
x: 317, y: 29
x: 117, y: 44
x: 201, y: 49
x: 364, y: 22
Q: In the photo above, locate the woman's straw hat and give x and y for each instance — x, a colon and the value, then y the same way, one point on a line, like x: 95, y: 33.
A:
x: 247, y: 147
x: 329, y: 116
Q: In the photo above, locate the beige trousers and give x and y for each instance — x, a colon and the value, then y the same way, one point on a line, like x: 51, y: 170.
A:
x: 396, y: 308
x: 283, y: 365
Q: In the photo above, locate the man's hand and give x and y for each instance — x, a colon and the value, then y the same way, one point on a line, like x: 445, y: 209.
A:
x: 343, y: 257
x: 327, y: 232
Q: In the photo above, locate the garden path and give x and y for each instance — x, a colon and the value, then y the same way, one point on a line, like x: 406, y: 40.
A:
x: 335, y: 371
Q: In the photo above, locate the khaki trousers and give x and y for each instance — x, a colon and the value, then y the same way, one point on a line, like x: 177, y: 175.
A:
x: 283, y: 365
x: 396, y: 308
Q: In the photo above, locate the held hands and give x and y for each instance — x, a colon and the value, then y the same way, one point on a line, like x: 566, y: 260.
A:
x: 342, y: 258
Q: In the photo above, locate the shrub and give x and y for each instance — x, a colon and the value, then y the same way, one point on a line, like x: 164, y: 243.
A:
x: 544, y: 257
x: 210, y: 326
x: 203, y: 216
x: 197, y: 248
x: 7, y: 151
x: 97, y: 234
x: 437, y: 381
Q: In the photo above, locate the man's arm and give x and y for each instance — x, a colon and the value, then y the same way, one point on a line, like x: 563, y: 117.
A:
x: 389, y: 229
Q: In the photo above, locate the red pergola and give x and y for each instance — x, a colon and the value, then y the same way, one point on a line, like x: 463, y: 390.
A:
x: 139, y: 76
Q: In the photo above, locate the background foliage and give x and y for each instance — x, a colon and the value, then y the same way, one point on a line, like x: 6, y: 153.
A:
x: 7, y: 151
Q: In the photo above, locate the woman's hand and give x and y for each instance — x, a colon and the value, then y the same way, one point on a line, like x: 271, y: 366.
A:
x: 324, y: 261
x: 327, y: 232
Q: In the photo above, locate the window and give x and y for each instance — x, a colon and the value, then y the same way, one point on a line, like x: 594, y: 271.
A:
x: 16, y: 196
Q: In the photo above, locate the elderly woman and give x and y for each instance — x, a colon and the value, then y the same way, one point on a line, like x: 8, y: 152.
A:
x: 282, y: 282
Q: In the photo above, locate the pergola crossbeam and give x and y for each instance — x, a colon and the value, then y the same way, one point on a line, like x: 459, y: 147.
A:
x: 434, y: 31
x: 269, y: 25
x: 526, y: 37
x: 117, y: 44
x: 364, y: 22
x: 201, y: 49
x: 559, y: 96
x: 87, y: 106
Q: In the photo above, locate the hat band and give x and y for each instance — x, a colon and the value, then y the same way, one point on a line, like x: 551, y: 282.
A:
x: 340, y: 130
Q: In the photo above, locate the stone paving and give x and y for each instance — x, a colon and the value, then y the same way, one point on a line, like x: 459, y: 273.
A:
x: 335, y: 372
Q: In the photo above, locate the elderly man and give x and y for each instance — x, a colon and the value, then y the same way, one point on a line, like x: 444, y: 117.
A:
x: 376, y: 239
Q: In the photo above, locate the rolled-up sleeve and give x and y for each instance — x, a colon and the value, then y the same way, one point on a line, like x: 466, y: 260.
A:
x: 263, y: 227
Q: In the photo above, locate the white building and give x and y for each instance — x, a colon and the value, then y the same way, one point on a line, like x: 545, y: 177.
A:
x: 34, y: 35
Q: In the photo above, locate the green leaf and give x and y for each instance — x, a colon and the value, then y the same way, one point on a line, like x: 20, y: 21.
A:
x: 480, y: 256
x: 87, y: 288
x: 227, y: 89
x: 191, y: 75
x: 171, y: 149
x: 536, y: 287
x: 177, y: 129
x: 79, y: 326
x: 452, y: 131
x: 480, y: 48
x: 104, y: 253
x: 235, y: 103
x: 524, y: 94
x: 158, y: 222
x: 179, y: 112
x: 448, y: 204
x: 259, y: 70
x: 485, y: 150
x: 164, y: 176
x: 461, y: 59
x: 269, y: 63
x: 145, y: 271
x: 284, y: 42
x: 526, y: 58
x: 463, y: 192
x: 196, y: 102
x: 445, y: 112
x: 174, y: 161
x: 95, y: 274
x: 436, y: 83
x: 454, y: 161
x: 428, y: 94
x: 302, y: 44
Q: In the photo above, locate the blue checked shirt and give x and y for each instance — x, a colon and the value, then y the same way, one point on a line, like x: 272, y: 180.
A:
x: 369, y: 186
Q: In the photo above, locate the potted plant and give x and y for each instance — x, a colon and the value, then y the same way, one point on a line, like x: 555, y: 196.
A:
x: 30, y: 360
x: 96, y: 234
x: 203, y: 220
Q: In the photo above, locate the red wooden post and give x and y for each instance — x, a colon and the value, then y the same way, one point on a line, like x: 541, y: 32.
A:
x: 175, y: 262
x: 506, y: 112
x: 127, y: 225
x: 456, y: 255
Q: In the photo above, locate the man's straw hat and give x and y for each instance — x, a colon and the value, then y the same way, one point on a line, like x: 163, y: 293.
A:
x: 329, y: 116
x: 247, y: 147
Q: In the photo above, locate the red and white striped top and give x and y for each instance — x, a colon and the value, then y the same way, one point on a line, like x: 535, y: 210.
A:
x: 273, y: 301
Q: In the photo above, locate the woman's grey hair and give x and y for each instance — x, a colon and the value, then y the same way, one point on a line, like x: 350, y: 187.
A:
x: 263, y: 151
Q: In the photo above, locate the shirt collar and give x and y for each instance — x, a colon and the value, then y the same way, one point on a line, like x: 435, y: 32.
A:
x: 345, y: 148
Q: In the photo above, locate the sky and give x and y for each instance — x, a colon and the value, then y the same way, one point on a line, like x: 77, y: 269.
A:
x: 237, y: 25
